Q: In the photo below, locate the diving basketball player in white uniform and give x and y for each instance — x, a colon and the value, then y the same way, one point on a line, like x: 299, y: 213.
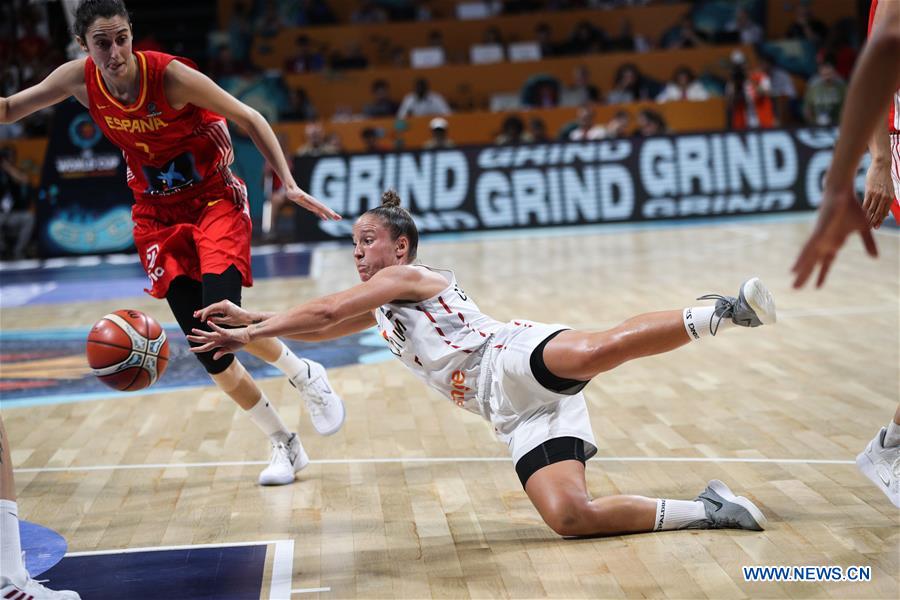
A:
x: 525, y: 378
x: 874, y: 85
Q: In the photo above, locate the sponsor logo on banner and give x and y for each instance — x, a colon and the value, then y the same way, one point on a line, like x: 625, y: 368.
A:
x: 606, y: 181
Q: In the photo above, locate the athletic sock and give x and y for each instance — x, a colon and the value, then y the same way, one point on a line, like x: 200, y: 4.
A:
x: 675, y: 514
x: 11, y: 565
x: 701, y: 322
x: 288, y: 363
x: 892, y: 437
x: 265, y: 417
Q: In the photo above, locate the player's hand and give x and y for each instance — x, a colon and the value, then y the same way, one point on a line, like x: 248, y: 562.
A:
x: 301, y: 198
x: 224, y: 312
x: 224, y: 341
x: 839, y: 216
x: 879, y: 193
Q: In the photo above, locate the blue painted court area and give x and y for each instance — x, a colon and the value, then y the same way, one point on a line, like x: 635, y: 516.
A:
x: 26, y: 381
x: 41, y: 546
x: 121, y: 276
x: 217, y: 573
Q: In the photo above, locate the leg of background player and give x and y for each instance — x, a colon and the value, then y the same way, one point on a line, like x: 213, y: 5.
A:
x: 14, y: 579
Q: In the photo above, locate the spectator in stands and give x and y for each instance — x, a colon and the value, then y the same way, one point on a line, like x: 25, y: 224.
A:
x: 585, y: 128
x: 300, y: 107
x: 351, y: 58
x: 399, y: 57
x: 684, y: 35
x: 382, y: 105
x: 371, y: 139
x: 544, y: 39
x: 617, y: 127
x: 784, y: 94
x: 630, y: 85
x: 316, y: 12
x: 582, y: 90
x: 16, y: 206
x: 224, y: 65
x: 586, y: 39
x: 422, y: 101
x: 369, y: 12
x: 650, y: 123
x: 806, y: 26
x: 305, y: 58
x: 842, y: 45
x: 749, y: 96
x: 824, y: 96
x: 513, y: 132
x: 439, y: 136
x: 537, y: 130
x: 240, y: 34
x: 684, y: 86
x: 627, y: 40
x: 492, y: 35
x: 317, y: 143
x: 744, y: 28
x: 436, y: 40
x: 271, y: 21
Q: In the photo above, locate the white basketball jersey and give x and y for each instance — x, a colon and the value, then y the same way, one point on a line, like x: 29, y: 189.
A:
x: 441, y: 340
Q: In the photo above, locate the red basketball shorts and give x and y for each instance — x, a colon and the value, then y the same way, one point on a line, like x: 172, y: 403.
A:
x: 206, y: 233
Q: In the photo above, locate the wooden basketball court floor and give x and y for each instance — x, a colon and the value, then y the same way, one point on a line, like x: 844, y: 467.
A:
x: 414, y: 498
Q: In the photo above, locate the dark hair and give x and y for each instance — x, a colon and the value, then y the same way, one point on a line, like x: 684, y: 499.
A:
x: 398, y: 220
x: 89, y: 11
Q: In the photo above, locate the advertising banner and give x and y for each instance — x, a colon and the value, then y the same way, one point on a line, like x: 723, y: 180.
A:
x: 575, y: 183
x: 85, y: 205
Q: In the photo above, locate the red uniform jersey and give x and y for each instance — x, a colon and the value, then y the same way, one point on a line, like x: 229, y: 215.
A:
x: 170, y: 154
x: 894, y: 111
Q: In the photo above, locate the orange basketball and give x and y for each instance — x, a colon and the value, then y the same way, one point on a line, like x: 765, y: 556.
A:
x: 127, y: 350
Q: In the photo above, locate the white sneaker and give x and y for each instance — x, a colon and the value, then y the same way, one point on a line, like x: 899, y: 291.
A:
x: 32, y: 590
x: 287, y: 459
x: 326, y: 409
x: 882, y: 466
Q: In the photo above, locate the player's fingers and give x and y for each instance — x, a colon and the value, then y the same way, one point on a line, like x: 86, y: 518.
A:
x: 823, y: 271
x: 869, y: 242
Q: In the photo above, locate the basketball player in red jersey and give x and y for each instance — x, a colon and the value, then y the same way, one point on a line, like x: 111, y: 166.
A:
x: 875, y: 82
x: 882, y: 194
x: 191, y: 220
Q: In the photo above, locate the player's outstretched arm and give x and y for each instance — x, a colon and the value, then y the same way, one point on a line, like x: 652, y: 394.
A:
x: 66, y: 80
x: 320, y: 315
x: 874, y: 81
x: 185, y: 85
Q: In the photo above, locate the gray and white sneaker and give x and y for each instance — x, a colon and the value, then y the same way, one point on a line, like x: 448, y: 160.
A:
x: 724, y: 510
x: 882, y: 466
x: 754, y: 306
x: 326, y: 409
x: 287, y: 459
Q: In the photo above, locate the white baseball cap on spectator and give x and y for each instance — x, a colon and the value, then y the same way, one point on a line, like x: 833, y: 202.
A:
x: 438, y: 123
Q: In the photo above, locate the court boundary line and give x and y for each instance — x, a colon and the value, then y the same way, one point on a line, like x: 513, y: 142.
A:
x: 433, y: 460
x: 178, y: 547
x: 310, y: 590
x: 282, y: 570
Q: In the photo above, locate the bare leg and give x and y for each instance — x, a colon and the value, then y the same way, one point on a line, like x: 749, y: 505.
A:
x: 239, y: 385
x: 559, y: 493
x: 581, y: 355
x: 7, y: 485
x: 268, y: 349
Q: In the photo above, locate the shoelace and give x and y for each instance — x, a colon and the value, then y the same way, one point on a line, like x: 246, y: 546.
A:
x: 314, y: 394
x: 729, y: 306
x: 281, y: 449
